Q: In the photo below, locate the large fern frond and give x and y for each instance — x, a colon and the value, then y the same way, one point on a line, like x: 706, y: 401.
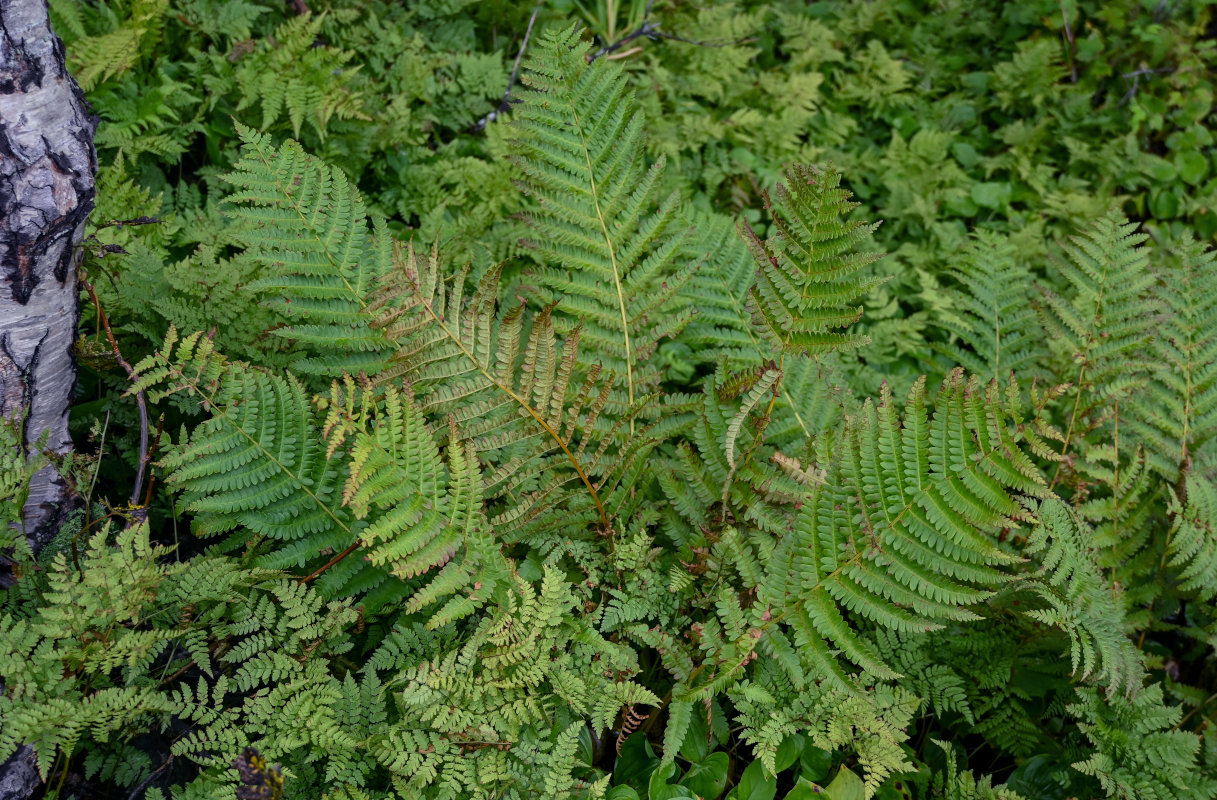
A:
x: 608, y: 251
x: 258, y: 462
x: 505, y: 379
x: 903, y: 528
x: 1175, y: 417
x: 1102, y: 329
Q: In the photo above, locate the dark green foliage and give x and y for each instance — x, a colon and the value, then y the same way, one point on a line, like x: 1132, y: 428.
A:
x: 550, y: 460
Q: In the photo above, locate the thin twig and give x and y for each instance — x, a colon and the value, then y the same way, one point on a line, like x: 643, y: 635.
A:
x: 122, y: 223
x: 144, y: 783
x: 139, y: 400
x: 650, y: 30
x: 507, y: 102
x: 1136, y: 76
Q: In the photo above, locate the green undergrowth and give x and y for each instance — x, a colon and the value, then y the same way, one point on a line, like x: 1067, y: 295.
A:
x: 613, y: 448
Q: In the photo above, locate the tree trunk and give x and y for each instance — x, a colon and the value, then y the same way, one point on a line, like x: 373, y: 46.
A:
x: 47, y: 164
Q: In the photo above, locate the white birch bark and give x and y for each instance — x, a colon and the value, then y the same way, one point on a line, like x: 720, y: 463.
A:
x: 47, y: 165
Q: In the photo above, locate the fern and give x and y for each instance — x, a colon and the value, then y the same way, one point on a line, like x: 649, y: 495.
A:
x: 305, y: 223
x: 606, y: 250
x: 1192, y: 541
x: 1102, y: 330
x: 1138, y: 751
x: 504, y: 379
x: 956, y: 785
x: 717, y: 293
x: 427, y: 514
x: 807, y: 272
x: 997, y: 331
x: 289, y: 72
x: 259, y: 462
x: 99, y: 58
x: 903, y: 530
x: 1082, y: 603
x: 1175, y: 417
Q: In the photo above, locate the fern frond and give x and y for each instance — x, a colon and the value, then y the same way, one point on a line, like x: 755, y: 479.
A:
x: 1175, y: 416
x: 505, y: 379
x: 1081, y: 601
x: 307, y: 226
x: 1192, y: 543
x: 1102, y: 329
x: 808, y: 272
x: 956, y: 785
x: 996, y: 328
x: 428, y: 515
x: 1138, y: 749
x: 96, y: 59
x: 258, y: 462
x: 718, y: 294
x: 903, y: 530
x: 607, y: 249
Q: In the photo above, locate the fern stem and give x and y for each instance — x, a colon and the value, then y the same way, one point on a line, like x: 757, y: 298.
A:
x: 317, y: 572
x: 612, y: 253
x: 1069, y: 433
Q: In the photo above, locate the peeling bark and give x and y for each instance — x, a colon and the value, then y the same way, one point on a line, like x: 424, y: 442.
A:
x: 47, y: 168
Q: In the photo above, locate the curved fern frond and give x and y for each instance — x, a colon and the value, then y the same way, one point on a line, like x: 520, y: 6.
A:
x: 1192, y: 546
x: 423, y: 513
x: 607, y: 249
x: 259, y: 461
x: 996, y: 329
x: 1081, y: 602
x: 903, y: 529
x: 808, y: 271
x: 307, y: 226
